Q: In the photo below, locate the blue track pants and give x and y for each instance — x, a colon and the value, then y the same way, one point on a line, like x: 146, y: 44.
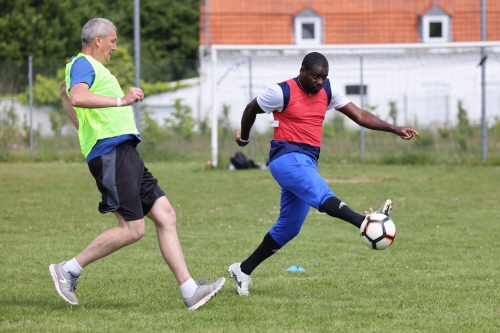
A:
x: 302, y: 187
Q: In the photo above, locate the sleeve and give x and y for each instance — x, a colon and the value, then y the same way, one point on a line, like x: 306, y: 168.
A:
x: 271, y: 99
x: 338, y: 100
x: 82, y: 72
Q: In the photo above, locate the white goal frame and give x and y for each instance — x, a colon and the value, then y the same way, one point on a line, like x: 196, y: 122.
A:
x: 349, y: 49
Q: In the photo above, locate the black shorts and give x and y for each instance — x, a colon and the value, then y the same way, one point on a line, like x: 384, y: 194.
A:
x: 125, y: 183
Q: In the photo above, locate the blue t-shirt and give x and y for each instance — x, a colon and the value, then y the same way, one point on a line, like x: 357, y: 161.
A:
x: 83, y: 72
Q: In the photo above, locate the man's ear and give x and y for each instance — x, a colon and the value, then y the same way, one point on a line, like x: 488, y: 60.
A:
x: 302, y: 70
x: 97, y: 40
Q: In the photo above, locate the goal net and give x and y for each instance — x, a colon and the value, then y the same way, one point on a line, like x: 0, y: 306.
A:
x: 419, y: 85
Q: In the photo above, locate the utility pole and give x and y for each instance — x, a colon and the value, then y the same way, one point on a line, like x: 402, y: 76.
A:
x: 484, y: 125
x: 137, y: 61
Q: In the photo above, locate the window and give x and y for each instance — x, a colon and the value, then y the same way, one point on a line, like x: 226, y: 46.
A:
x: 355, y: 89
x: 357, y: 95
x: 308, y: 28
x: 436, y: 30
x: 435, y: 26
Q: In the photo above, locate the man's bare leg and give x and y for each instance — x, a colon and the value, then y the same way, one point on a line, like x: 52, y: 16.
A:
x: 194, y: 294
x: 163, y: 215
x: 126, y: 233
x: 65, y: 274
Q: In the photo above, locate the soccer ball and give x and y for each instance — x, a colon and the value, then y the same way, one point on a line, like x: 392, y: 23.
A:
x: 378, y: 231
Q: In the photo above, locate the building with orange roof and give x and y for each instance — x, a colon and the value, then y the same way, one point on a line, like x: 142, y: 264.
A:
x: 286, y: 22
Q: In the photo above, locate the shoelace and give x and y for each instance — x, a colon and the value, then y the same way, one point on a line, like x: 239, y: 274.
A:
x: 73, y: 281
x: 368, y: 213
x: 204, y: 280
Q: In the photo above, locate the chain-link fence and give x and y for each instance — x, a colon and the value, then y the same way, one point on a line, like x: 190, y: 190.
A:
x: 435, y: 88
x: 33, y: 125
x: 438, y: 92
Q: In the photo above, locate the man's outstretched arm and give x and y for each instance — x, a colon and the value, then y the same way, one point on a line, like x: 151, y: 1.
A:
x: 368, y: 120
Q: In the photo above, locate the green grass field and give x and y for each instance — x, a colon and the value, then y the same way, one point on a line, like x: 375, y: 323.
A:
x: 442, y: 274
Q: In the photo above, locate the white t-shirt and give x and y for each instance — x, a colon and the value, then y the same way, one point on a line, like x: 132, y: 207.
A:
x: 272, y: 99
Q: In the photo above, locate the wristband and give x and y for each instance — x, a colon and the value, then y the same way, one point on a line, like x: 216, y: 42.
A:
x: 244, y: 141
x: 118, y: 101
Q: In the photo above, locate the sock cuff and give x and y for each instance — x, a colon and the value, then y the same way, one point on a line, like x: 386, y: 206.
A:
x: 188, y: 288
x: 269, y: 240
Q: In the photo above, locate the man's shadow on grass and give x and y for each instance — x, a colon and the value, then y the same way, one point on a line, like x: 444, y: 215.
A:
x: 55, y: 303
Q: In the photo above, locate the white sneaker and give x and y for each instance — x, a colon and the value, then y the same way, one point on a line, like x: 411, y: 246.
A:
x: 242, y: 280
x: 385, y: 208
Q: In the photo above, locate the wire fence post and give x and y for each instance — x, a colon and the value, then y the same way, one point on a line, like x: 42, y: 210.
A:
x: 484, y: 127
x: 137, y: 60
x: 362, y: 106
x: 30, y: 79
x: 215, y: 125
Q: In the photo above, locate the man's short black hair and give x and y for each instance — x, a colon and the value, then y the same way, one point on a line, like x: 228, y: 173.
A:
x: 314, y: 58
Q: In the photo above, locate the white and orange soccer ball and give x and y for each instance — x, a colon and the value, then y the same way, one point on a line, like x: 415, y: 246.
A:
x: 378, y: 231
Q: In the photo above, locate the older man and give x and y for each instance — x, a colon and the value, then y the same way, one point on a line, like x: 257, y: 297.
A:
x: 108, y: 137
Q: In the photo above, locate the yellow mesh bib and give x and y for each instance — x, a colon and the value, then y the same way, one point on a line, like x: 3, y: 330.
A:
x: 97, y: 124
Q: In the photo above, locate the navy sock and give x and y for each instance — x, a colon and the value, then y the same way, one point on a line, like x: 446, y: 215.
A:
x: 267, y: 248
x: 333, y: 206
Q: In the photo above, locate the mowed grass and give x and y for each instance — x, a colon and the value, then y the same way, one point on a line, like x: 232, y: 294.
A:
x: 442, y: 274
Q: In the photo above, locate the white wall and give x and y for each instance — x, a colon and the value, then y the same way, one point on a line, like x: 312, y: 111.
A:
x: 426, y: 86
x: 41, y: 120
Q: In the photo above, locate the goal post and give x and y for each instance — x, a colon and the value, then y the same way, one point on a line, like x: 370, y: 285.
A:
x: 425, y: 79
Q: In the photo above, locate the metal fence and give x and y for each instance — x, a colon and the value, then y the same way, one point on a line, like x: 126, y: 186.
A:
x: 436, y: 88
x: 438, y: 91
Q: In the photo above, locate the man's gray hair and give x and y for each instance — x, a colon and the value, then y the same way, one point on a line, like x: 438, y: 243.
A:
x: 96, y: 26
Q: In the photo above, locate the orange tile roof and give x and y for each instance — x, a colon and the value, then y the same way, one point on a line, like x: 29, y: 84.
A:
x: 345, y: 22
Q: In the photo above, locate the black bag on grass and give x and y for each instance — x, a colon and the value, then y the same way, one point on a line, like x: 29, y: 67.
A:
x: 240, y: 161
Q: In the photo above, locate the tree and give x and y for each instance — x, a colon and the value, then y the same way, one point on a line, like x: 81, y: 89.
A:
x: 169, y: 29
x: 464, y: 130
x: 393, y: 112
x: 42, y: 29
x: 181, y: 121
x: 151, y: 133
x: 224, y: 122
x: 51, y: 29
x: 9, y: 125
